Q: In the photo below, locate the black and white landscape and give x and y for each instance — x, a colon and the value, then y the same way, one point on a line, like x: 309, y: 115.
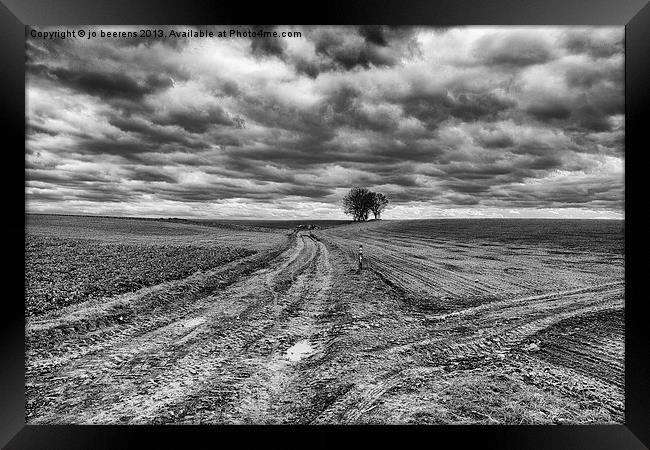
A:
x: 196, y: 207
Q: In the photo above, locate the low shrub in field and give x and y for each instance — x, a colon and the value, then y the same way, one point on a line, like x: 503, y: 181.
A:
x: 61, y: 272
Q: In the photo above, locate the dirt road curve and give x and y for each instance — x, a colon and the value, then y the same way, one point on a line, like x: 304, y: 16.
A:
x: 296, y: 336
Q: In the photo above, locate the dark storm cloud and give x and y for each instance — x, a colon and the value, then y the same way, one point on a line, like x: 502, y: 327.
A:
x: 232, y: 190
x: 525, y: 118
x: 584, y: 114
x: 308, y: 124
x: 374, y: 34
x: 545, y: 163
x: 268, y: 46
x: 149, y: 174
x: 345, y: 107
x: 438, y: 107
x: 550, y: 109
x: 307, y: 191
x: 566, y: 194
x: 496, y: 141
x: 417, y: 152
x: 588, y: 76
x: 310, y: 68
x: 465, y: 187
x: 356, y: 48
x: 349, y: 55
x: 119, y: 147
x: 103, y: 195
x: 149, y: 132
x: 198, y: 120
x: 102, y: 84
x: 32, y: 128
x: 590, y: 117
x: 585, y: 41
x: 513, y: 49
x: 63, y: 177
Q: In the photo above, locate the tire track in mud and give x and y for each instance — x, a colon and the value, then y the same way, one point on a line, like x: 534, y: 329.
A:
x: 508, y: 323
x: 58, y: 337
x: 479, y: 337
x: 266, y: 396
x: 216, y: 342
x: 442, y: 357
x: 588, y: 344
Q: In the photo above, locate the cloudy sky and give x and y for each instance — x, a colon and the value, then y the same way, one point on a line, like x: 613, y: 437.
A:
x: 457, y: 122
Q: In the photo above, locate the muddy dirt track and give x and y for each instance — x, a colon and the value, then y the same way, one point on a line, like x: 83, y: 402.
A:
x: 295, y: 335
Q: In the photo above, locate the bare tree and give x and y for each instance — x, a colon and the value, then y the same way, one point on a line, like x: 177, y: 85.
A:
x: 358, y: 203
x: 379, y: 203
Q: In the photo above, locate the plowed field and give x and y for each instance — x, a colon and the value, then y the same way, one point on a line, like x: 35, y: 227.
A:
x: 449, y: 322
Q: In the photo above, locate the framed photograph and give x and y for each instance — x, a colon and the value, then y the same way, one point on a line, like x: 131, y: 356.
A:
x: 398, y: 220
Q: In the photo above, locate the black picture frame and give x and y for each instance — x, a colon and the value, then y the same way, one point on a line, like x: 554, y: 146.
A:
x: 15, y: 14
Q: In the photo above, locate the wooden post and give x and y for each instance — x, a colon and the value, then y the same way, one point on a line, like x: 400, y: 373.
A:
x: 360, y: 258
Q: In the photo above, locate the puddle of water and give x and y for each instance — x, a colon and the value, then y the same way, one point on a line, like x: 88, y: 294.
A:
x: 299, y: 350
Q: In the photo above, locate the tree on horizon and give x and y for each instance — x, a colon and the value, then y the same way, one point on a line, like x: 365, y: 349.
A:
x: 359, y: 202
x: 379, y: 203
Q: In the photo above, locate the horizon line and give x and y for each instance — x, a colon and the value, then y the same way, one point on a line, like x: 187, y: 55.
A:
x: 318, y: 220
